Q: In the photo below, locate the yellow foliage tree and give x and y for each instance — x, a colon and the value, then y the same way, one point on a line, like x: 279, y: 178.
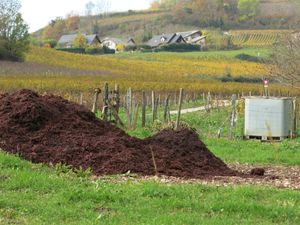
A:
x: 120, y: 47
x: 80, y: 41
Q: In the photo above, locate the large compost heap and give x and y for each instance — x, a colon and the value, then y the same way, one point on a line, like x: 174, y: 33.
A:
x: 50, y: 129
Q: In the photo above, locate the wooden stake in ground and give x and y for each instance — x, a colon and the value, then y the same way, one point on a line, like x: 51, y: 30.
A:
x: 129, y: 107
x: 117, y: 97
x: 81, y: 99
x: 105, y: 101
x: 144, y: 103
x: 167, y: 109
x: 153, y: 106
x: 295, y: 108
x: 95, y: 100
x: 232, y: 117
x: 179, y: 109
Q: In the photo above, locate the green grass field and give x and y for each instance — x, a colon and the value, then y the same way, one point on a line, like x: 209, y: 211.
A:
x: 35, y: 194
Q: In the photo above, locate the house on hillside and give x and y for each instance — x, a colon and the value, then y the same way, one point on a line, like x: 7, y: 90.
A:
x: 165, y: 39
x: 67, y: 41
x: 193, y: 37
x: 113, y: 43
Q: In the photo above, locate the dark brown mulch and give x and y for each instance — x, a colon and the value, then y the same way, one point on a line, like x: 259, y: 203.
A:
x: 49, y: 129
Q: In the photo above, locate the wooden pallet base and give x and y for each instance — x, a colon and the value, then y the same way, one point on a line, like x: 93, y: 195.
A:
x: 265, y: 138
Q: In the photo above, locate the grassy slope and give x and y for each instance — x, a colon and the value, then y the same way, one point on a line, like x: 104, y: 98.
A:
x: 35, y: 194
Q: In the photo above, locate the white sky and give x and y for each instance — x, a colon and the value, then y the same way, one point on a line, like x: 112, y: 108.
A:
x: 38, y: 13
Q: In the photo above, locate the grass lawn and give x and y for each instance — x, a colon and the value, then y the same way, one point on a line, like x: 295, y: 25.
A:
x: 36, y: 194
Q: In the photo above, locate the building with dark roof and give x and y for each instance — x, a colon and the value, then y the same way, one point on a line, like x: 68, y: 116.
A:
x: 67, y: 41
x: 193, y: 37
x: 112, y: 43
x: 165, y: 39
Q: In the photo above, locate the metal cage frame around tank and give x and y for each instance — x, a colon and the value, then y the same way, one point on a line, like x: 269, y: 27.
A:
x: 269, y: 118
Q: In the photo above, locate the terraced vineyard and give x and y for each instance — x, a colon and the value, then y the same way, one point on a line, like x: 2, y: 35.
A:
x: 256, y: 38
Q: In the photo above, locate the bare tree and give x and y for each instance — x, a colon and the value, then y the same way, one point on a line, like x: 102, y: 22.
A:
x: 102, y: 7
x: 286, y: 60
x: 89, y: 8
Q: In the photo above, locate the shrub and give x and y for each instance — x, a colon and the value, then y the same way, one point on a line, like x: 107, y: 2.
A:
x: 73, y: 50
x: 240, y: 79
x: 107, y: 50
x: 249, y: 58
x: 89, y: 50
x: 92, y: 51
x: 130, y: 48
x: 50, y: 42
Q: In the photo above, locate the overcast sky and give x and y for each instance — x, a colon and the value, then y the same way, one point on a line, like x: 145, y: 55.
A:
x: 37, y: 13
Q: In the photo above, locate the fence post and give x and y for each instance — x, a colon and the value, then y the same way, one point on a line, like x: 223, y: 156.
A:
x: 81, y: 99
x: 153, y: 106
x: 232, y: 116
x: 117, y: 97
x: 208, y: 102
x: 129, y: 107
x: 105, y: 102
x: 295, y: 109
x: 95, y: 100
x: 166, y: 109
x: 179, y: 109
x: 144, y: 103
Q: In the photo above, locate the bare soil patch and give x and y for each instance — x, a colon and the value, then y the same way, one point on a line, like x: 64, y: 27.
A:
x: 275, y: 176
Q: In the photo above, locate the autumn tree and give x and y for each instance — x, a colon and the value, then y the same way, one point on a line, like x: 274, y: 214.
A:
x: 72, y: 21
x: 155, y: 5
x: 80, y: 41
x: 286, y: 60
x: 55, y: 29
x: 248, y: 9
x: 14, y: 37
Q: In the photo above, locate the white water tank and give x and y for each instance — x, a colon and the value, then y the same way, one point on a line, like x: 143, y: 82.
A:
x: 268, y: 118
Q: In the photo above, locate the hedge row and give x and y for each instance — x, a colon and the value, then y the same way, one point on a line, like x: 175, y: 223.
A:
x: 89, y: 50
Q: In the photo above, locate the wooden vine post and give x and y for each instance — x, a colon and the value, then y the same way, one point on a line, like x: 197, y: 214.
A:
x: 144, y: 104
x: 167, y: 110
x: 105, y: 102
x: 179, y: 109
x: 232, y: 116
x: 115, y: 106
x: 95, y: 100
x: 117, y: 97
x: 129, y: 107
x: 81, y: 99
x: 153, y: 106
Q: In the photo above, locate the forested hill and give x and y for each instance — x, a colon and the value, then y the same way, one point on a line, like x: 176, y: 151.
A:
x: 166, y: 16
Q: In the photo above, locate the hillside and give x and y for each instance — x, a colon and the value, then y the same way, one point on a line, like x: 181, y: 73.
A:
x: 142, y: 25
x: 52, y: 71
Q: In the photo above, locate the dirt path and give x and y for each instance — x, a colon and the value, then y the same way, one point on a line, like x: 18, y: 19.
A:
x: 222, y: 103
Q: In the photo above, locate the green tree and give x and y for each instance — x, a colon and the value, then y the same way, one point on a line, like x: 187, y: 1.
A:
x: 14, y: 37
x: 80, y: 41
x: 247, y: 9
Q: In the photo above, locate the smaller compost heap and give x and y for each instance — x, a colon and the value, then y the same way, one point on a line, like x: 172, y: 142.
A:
x: 50, y: 129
